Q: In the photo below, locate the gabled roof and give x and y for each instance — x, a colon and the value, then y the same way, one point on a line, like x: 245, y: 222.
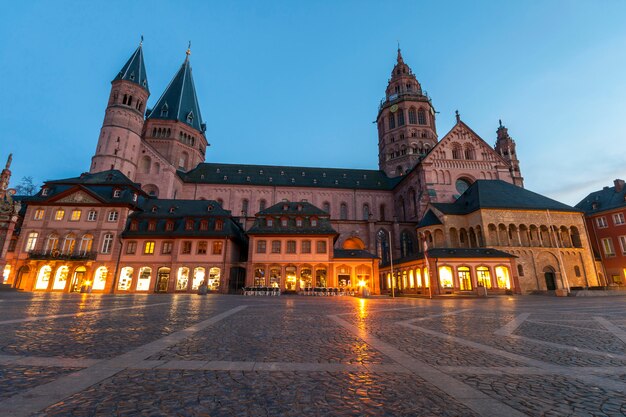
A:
x: 179, y: 101
x: 134, y: 70
x: 100, y: 185
x: 498, y: 194
x: 429, y: 219
x: 366, y: 179
x: 607, y: 198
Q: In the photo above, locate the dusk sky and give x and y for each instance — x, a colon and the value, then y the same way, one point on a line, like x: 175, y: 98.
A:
x: 299, y: 82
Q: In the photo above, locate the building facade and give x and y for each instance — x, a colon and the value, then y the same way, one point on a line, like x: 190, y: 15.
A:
x: 157, y: 154
x: 605, y: 212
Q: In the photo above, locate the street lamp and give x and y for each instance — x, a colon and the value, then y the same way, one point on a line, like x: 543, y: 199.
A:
x: 381, y: 237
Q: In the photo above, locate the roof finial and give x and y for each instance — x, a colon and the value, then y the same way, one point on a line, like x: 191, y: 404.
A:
x: 188, y: 50
x: 500, y: 121
x: 458, y: 116
x: 141, y: 41
x: 399, y: 53
x: 9, y: 159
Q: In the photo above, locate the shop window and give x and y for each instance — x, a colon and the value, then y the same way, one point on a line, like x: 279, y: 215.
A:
x: 445, y: 276
x: 215, y: 275
x: 60, y: 278
x: 483, y: 277
x: 465, y: 279
x: 126, y: 278
x: 198, y: 278
x: 259, y: 277
x: 43, y: 278
x: 143, y: 282
x: 100, y: 278
x: 182, y: 280
x: 502, y: 277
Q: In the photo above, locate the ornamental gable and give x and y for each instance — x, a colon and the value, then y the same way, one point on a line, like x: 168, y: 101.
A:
x: 78, y: 197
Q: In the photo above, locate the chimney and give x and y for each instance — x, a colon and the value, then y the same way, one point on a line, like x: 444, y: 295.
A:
x: 619, y: 185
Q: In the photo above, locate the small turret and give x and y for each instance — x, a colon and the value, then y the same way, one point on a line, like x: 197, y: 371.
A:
x: 505, y: 147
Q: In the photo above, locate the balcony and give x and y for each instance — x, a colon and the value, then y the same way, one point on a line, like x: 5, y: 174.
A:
x: 418, y: 94
x: 55, y: 254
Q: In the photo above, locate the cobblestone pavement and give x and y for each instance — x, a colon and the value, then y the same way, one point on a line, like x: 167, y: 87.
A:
x: 190, y: 355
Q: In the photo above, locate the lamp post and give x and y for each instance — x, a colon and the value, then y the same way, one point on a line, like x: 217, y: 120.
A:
x: 381, y: 237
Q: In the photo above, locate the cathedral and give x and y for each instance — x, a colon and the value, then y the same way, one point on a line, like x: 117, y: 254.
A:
x: 445, y: 215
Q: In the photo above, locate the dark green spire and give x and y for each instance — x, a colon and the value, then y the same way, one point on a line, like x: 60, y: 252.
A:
x: 134, y: 70
x: 179, y: 101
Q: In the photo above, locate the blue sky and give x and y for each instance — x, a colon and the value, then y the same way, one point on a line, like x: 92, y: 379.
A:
x: 298, y: 83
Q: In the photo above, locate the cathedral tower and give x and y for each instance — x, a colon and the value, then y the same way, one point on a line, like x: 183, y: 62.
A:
x: 505, y: 147
x: 406, y: 122
x: 174, y: 125
x: 120, y: 136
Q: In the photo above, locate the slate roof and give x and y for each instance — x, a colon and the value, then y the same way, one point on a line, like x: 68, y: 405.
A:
x: 605, y: 199
x: 179, y: 100
x: 134, y: 70
x: 352, y: 254
x: 292, y: 211
x: 498, y: 194
x: 289, y: 176
x: 454, y: 253
x: 162, y: 211
x: 429, y: 219
x: 101, y: 184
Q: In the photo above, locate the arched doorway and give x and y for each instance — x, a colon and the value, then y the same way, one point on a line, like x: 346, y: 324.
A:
x: 79, y: 279
x: 163, y: 278
x: 550, y: 277
x: 21, y: 273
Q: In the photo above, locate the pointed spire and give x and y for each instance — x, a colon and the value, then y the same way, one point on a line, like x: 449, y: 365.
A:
x: 134, y: 70
x: 9, y: 159
x: 179, y: 101
x: 400, y: 60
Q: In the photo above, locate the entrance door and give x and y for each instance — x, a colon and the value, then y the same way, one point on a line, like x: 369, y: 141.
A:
x: 550, y: 281
x: 79, y: 280
x: 163, y: 278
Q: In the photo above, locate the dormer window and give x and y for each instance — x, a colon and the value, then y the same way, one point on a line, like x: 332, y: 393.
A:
x: 172, y: 209
x: 134, y: 197
x: 132, y: 76
x: 152, y: 225
x: 169, y: 226
x: 219, y: 225
x: 298, y: 222
x: 204, y: 225
x: 164, y: 110
x: 299, y: 207
x: 190, y: 117
x: 44, y: 191
x: 270, y: 222
x: 210, y: 207
x: 116, y: 193
x: 134, y: 225
x: 283, y: 222
x: 154, y: 209
x: 314, y: 222
x: 189, y: 224
x: 285, y: 207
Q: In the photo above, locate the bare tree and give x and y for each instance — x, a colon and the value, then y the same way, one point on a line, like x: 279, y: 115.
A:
x: 26, y: 187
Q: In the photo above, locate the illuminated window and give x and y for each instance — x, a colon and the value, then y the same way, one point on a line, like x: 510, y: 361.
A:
x: 186, y: 247
x: 52, y: 243
x: 31, y: 241
x: 182, y: 281
x: 6, y: 273
x: 198, y: 278
x: 320, y: 277
x: 92, y: 216
x: 275, y: 246
x: 306, y: 278
x: 58, y: 215
x: 426, y: 278
x: 305, y: 246
x: 411, y: 279
x: 143, y: 281
x: 291, y: 246
x: 126, y: 278
x: 483, y: 277
x: 148, y: 248
x: 131, y: 247
x: 113, y: 215
x: 214, y: 279
x: 320, y: 246
x: 502, y: 277
x: 43, y: 278
x: 100, y: 278
x: 465, y: 280
x: 38, y: 214
x: 60, y: 278
x: 445, y: 276
x: 217, y: 248
x: 259, y: 277
x: 68, y: 244
x: 418, y: 277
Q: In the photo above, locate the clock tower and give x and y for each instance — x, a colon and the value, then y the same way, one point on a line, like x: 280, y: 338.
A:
x: 406, y: 122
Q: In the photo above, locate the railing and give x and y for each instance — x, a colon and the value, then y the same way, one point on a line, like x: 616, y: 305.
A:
x: 55, y: 254
x: 404, y: 94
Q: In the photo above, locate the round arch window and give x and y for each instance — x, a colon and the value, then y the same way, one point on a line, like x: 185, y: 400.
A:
x: 462, y: 185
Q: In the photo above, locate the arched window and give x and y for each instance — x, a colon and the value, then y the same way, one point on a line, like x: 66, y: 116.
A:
x: 143, y: 281
x: 60, y: 278
x: 392, y: 121
x: 262, y: 204
x: 100, y: 278
x: 126, y: 278
x: 183, y: 278
x: 52, y: 243
x: 85, y: 244
x: 456, y: 151
x: 412, y: 116
x: 483, y: 277
x: 244, y: 207
x: 469, y: 151
x: 406, y: 244
x: 343, y: 211
x: 462, y: 185
x: 400, y: 117
x: 421, y: 116
x: 382, y: 212
x: 366, y: 212
x: 43, y: 278
x: 502, y: 277
x: 445, y: 277
x: 326, y: 207
x: 465, y: 280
